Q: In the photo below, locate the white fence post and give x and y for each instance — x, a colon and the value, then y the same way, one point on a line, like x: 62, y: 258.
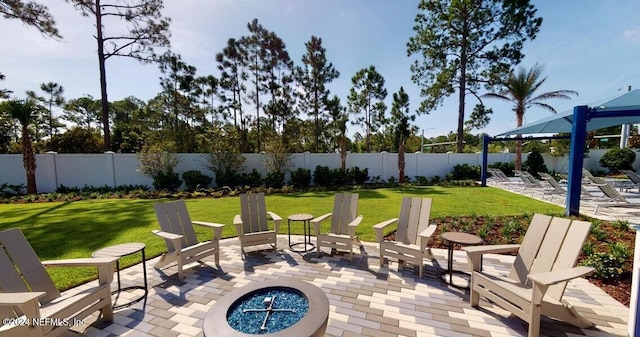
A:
x: 48, y: 173
x: 110, y: 169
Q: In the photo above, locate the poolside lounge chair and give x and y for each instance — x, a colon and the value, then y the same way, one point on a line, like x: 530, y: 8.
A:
x: 412, y: 234
x: 559, y: 189
x: 545, y: 262
x: 252, y: 224
x: 28, y: 293
x: 342, y: 234
x: 180, y: 238
x: 634, y: 177
x: 613, y: 197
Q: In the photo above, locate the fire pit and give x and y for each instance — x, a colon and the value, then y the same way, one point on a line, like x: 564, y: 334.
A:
x: 270, y: 308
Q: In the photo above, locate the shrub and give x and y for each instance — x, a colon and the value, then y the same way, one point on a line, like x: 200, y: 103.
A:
x: 301, y: 177
x: 359, y: 176
x: 339, y: 177
x: 535, y: 163
x: 322, y: 176
x: 274, y: 179
x: 253, y: 179
x: 507, y: 168
x: 464, y: 172
x: 618, y: 159
x: 158, y: 164
x: 167, y: 180
x: 607, y: 266
x: 228, y: 177
x: 194, y: 179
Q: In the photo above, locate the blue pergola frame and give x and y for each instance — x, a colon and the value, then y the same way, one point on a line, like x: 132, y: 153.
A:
x: 581, y: 115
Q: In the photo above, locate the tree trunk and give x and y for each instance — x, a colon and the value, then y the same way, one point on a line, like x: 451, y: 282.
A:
x: 103, y: 79
x: 29, y: 161
x: 343, y: 152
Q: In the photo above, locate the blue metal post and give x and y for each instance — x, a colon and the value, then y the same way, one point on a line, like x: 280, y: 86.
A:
x: 576, y: 156
x: 485, y: 157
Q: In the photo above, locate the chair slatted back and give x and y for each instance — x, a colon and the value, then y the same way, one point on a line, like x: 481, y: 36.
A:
x: 632, y: 175
x: 569, y: 252
x: 173, y: 217
x: 254, y: 213
x: 21, y: 268
x: 529, y: 247
x: 414, y: 218
x: 345, y: 209
x: 610, y: 192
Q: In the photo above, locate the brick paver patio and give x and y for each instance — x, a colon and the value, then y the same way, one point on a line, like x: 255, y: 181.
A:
x: 365, y: 300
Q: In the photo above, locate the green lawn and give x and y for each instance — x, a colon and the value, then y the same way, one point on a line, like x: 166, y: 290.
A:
x: 75, y: 229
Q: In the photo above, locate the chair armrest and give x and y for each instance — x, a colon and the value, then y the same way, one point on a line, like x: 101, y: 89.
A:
x: 276, y: 220
x: 217, y: 228
x: 175, y: 239
x: 20, y: 298
x: 82, y: 262
x: 475, y: 252
x: 208, y: 224
x: 381, y: 226
x: 316, y: 222
x: 167, y: 235
x: 554, y: 277
x: 237, y: 221
x: 106, y: 266
x: 427, y: 232
x: 352, y: 226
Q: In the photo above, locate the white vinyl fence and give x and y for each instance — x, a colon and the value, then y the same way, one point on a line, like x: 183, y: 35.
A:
x: 116, y: 169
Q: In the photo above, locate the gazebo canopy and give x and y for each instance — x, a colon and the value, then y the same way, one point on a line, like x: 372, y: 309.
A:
x: 563, y: 121
x: 624, y: 109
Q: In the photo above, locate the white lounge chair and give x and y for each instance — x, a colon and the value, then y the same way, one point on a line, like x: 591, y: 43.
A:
x: 545, y: 262
x: 28, y: 293
x: 342, y: 234
x: 180, y: 238
x: 412, y: 234
x: 252, y: 224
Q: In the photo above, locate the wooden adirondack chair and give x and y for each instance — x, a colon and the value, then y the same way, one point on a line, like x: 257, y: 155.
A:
x: 252, y: 224
x: 183, y: 247
x: 27, y: 291
x: 545, y: 262
x: 342, y: 234
x: 412, y: 235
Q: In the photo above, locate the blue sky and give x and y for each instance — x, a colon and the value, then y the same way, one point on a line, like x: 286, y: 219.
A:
x: 590, y: 46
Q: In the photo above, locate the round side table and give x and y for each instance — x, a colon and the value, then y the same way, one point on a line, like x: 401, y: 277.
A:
x: 461, y: 239
x: 120, y: 251
x: 306, y: 227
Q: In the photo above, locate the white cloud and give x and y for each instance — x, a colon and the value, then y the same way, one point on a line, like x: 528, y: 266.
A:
x: 632, y: 35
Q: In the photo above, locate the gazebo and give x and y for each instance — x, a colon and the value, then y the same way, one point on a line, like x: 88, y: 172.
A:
x: 624, y: 109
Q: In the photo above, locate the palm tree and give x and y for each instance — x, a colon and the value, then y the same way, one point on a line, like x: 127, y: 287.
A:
x: 23, y: 112
x: 520, y: 89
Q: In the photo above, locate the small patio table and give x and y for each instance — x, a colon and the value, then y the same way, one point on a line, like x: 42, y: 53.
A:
x: 120, y: 251
x: 306, y: 227
x: 462, y: 239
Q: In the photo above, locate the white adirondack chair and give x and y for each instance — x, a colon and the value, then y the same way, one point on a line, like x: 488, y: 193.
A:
x: 344, y: 221
x: 180, y: 238
x: 412, y: 235
x: 252, y: 224
x: 545, y: 262
x: 28, y: 293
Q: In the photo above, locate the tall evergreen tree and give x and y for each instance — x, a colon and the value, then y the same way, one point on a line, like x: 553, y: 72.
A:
x: 146, y: 29
x: 30, y: 13
x: 401, y: 119
x: 465, y: 44
x: 54, y: 97
x: 520, y: 88
x: 367, y: 98
x: 339, y: 119
x: 233, y: 74
x: 312, y: 77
